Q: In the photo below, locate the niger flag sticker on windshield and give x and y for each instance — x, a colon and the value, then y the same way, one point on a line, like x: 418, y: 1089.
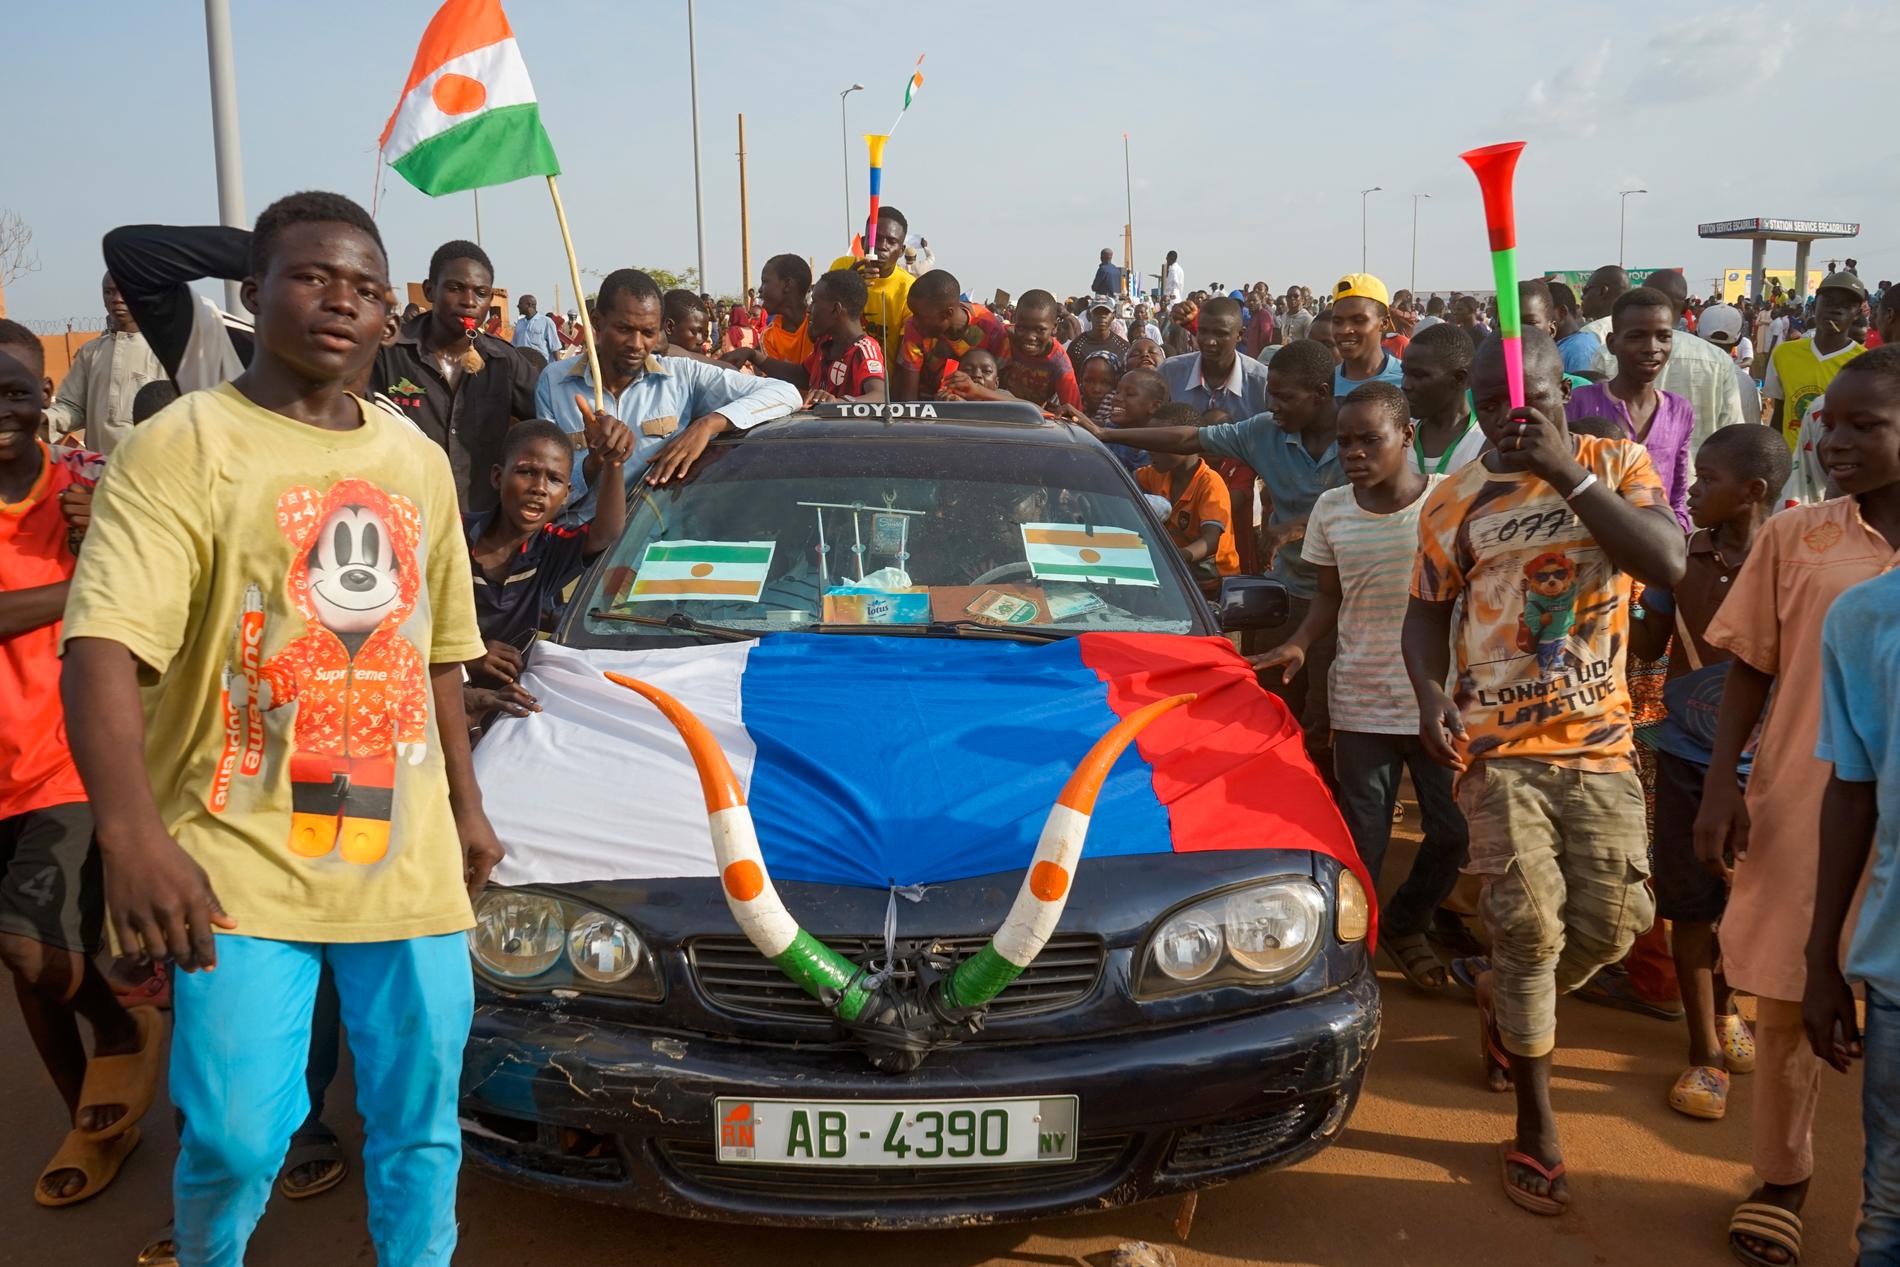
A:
x: 1084, y: 552
x: 679, y: 571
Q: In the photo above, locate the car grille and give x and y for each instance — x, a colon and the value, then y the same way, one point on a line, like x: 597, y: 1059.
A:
x: 1097, y: 1159
x: 737, y: 978
x: 1219, y: 1145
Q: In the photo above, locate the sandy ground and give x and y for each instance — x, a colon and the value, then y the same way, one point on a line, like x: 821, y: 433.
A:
x: 1413, y: 1181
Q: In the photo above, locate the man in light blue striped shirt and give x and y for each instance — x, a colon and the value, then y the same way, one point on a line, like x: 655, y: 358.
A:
x: 674, y: 406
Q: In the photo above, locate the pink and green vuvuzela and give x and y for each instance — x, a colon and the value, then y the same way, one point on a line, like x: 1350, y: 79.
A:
x: 1495, y: 166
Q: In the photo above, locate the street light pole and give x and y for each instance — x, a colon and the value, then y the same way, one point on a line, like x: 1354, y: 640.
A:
x: 1622, y: 217
x: 1362, y: 223
x: 1414, y: 282
x: 224, y: 127
x: 699, y: 186
x: 844, y: 142
x: 1131, y: 282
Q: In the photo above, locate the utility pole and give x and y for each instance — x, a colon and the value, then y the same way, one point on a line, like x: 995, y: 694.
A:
x: 1133, y: 279
x: 844, y: 139
x: 1362, y: 223
x: 745, y: 224
x: 1413, y: 284
x: 224, y: 127
x: 1622, y: 219
x: 699, y: 185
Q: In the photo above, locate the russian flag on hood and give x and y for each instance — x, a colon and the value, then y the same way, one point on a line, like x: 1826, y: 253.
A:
x: 873, y: 761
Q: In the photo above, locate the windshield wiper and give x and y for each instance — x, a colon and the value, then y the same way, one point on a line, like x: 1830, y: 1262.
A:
x: 680, y: 622
x: 949, y: 628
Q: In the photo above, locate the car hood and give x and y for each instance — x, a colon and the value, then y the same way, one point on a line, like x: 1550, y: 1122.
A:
x: 880, y: 762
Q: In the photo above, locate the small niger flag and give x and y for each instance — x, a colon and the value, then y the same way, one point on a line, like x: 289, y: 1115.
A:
x: 468, y: 116
x: 706, y: 571
x: 1080, y: 552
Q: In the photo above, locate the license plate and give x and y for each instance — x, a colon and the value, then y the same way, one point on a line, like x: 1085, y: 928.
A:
x: 897, y: 1132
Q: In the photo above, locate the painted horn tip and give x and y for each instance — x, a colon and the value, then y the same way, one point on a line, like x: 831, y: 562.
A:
x: 1083, y: 786
x: 716, y: 779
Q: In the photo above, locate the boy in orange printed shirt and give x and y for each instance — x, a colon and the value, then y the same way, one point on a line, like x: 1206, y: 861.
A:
x: 1201, y: 520
x: 52, y: 902
x: 1540, y: 539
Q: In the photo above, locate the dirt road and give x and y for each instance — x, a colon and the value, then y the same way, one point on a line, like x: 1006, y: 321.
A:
x: 1414, y: 1181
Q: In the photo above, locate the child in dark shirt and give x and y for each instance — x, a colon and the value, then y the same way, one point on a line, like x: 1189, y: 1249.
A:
x: 520, y: 539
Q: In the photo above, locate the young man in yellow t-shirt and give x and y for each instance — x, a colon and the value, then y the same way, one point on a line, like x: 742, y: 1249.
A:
x: 280, y: 565
x: 1800, y: 369
x: 887, y: 285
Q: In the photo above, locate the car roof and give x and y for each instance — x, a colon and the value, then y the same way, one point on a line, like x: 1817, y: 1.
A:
x: 922, y: 419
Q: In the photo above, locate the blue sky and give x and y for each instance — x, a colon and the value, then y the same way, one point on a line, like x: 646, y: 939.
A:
x: 1254, y: 127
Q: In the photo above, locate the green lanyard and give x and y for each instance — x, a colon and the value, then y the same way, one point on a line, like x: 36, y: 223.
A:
x: 1444, y: 459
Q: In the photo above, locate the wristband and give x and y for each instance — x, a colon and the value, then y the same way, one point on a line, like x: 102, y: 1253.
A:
x: 1584, y: 485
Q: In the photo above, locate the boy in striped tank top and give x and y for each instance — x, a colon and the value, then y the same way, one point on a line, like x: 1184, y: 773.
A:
x: 1362, y: 539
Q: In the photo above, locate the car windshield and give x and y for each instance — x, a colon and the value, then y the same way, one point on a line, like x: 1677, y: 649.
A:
x: 889, y: 534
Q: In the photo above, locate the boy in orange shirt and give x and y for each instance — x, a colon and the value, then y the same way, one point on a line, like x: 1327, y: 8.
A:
x: 1201, y: 519
x: 52, y: 900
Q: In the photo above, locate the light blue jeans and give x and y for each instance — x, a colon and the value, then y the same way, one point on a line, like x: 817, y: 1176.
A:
x: 240, y: 1046
x: 1880, y: 1116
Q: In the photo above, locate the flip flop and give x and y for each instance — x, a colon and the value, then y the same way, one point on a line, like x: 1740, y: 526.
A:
x: 1549, y: 1207
x: 161, y: 1250
x: 1738, y: 1043
x: 1467, y: 969
x: 1701, y: 1091
x: 318, y: 1150
x: 97, y: 1160
x: 1614, y: 989
x: 1412, y: 954
x: 154, y: 991
x: 1769, y: 1223
x: 129, y: 1081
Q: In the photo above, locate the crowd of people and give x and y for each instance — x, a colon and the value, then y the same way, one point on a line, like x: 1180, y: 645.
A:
x: 1629, y: 643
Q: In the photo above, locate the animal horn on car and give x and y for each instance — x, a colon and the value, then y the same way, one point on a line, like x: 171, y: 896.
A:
x: 1045, y: 891
x: 815, y: 967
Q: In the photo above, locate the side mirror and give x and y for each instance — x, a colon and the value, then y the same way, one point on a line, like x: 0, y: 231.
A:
x: 1251, y: 602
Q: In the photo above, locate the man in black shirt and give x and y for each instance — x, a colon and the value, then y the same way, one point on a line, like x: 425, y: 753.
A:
x: 461, y: 387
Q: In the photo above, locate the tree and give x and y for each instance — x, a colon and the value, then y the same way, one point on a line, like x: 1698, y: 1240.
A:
x: 664, y: 278
x: 17, y: 257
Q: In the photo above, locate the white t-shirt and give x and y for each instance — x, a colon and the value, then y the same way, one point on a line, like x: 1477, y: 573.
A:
x: 1465, y: 448
x: 1174, y: 285
x: 1369, y: 691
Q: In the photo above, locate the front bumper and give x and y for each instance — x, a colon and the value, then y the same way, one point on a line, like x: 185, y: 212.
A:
x: 625, y: 1115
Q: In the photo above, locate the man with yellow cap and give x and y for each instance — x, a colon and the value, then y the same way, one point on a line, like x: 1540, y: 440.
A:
x: 1358, y: 311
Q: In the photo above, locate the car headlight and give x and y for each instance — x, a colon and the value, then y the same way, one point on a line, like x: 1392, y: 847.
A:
x: 1257, y: 934
x: 1270, y: 927
x: 518, y: 935
x: 602, y: 948
x: 1353, y: 918
x: 526, y: 941
x: 1187, y: 947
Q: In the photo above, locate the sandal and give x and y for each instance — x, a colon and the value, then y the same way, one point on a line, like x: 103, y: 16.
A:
x: 1412, y: 954
x: 128, y: 1081
x: 1738, y: 1043
x: 1534, y: 1202
x: 1466, y: 970
x: 1701, y: 1091
x: 1765, y: 1222
x: 1612, y: 988
x: 97, y: 1160
x: 319, y: 1154
x: 161, y: 1250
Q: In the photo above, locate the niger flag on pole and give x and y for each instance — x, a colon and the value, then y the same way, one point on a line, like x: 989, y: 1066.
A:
x: 468, y: 116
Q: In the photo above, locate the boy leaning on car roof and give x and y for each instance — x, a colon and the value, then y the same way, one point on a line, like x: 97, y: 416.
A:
x: 279, y: 541
x: 1540, y: 538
